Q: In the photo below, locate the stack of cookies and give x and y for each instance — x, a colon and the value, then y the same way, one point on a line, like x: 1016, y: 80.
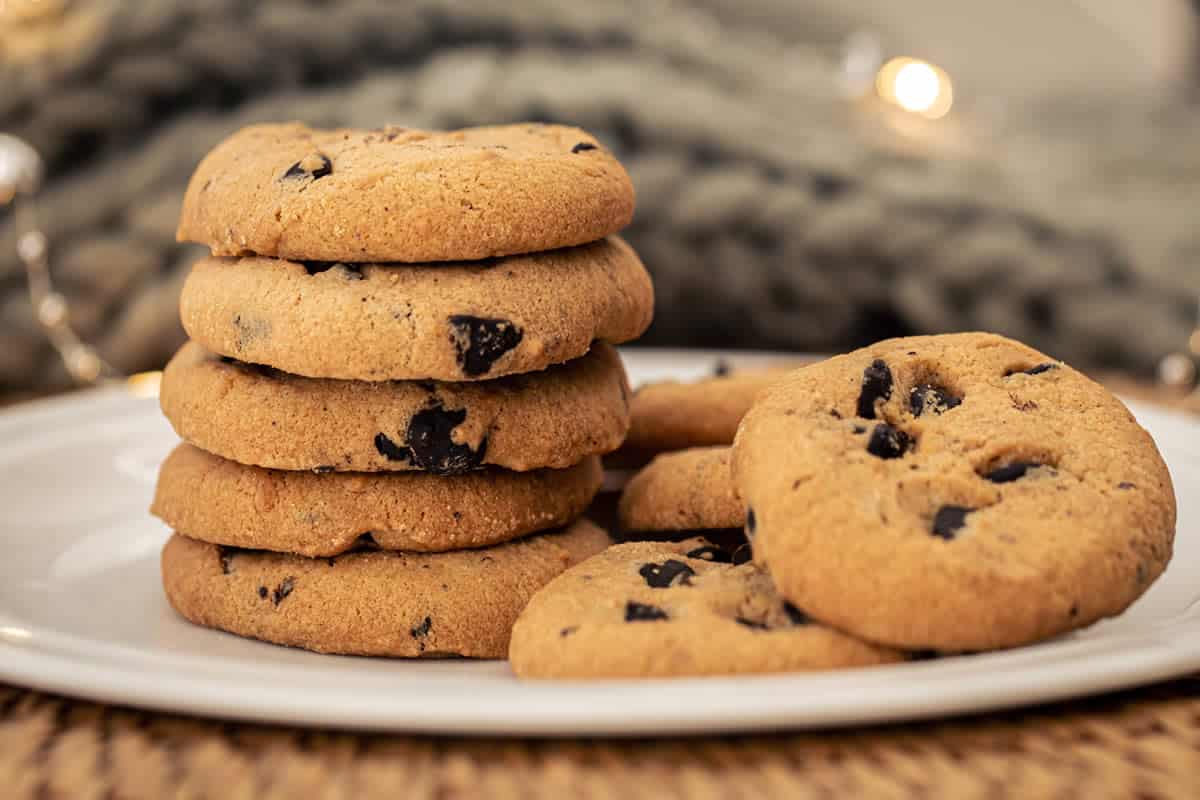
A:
x: 399, y: 383
x: 921, y: 496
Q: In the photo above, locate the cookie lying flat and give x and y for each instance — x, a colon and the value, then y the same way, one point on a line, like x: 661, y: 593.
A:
x: 957, y: 492
x: 404, y: 195
x: 685, y: 490
x: 257, y: 415
x: 215, y: 500
x: 375, y: 603
x: 651, y: 609
x: 671, y: 415
x: 459, y: 322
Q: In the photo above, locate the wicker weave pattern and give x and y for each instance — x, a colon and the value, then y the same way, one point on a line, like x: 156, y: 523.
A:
x: 1144, y: 744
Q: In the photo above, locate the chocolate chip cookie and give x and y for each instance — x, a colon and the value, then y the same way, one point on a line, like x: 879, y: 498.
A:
x: 398, y: 194
x: 673, y: 415
x: 458, y: 322
x: 215, y: 500
x: 258, y: 415
x: 958, y: 492
x: 685, y: 490
x: 657, y: 610
x: 376, y: 603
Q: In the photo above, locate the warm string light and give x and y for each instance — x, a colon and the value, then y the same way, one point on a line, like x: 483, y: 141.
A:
x: 916, y: 86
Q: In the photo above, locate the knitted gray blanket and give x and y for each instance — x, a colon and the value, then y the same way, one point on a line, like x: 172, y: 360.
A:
x: 771, y: 212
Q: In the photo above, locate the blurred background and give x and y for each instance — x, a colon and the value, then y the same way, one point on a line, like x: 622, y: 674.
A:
x: 812, y: 175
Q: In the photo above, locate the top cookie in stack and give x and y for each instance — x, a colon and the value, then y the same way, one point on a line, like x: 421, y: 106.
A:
x: 434, y: 305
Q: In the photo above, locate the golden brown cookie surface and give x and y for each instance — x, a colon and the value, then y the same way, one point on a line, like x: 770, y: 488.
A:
x: 379, y: 603
x: 957, y: 492
x: 685, y: 490
x: 455, y: 322
x: 211, y: 499
x: 288, y: 191
x: 257, y: 415
x: 656, y: 610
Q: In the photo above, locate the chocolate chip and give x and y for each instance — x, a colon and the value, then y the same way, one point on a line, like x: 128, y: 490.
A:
x: 480, y: 342
x: 315, y: 166
x: 283, y: 590
x: 749, y: 623
x: 583, y: 147
x: 796, y: 616
x: 1035, y: 370
x: 262, y: 592
x: 225, y: 556
x: 662, y: 576
x: 431, y: 444
x: 888, y: 442
x: 928, y: 397
x: 390, y: 450
x: 876, y: 385
x: 565, y: 632
x: 949, y: 520
x: 643, y: 612
x: 1125, y: 485
x: 422, y: 630
x: 1011, y: 472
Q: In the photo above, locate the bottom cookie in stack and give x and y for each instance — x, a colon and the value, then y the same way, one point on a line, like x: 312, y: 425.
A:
x: 368, y: 564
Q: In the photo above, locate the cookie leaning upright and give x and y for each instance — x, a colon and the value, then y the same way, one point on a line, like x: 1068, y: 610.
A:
x: 396, y: 194
x: 400, y: 381
x: 958, y: 492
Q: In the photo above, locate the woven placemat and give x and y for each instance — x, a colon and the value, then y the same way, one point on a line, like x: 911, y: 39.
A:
x: 1143, y: 744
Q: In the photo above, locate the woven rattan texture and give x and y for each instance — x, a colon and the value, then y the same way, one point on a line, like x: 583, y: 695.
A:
x: 1143, y: 744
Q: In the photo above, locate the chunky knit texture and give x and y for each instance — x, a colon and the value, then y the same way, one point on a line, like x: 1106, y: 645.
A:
x: 771, y: 212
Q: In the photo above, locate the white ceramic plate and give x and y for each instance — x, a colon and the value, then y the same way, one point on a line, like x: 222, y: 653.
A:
x: 81, y: 613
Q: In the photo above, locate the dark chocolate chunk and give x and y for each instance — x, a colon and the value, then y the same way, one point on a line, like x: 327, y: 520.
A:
x: 643, y: 612
x: 876, y: 385
x: 928, y: 397
x: 316, y: 171
x: 262, y: 592
x: 749, y: 623
x: 391, y: 450
x: 431, y: 445
x: 949, y: 520
x: 794, y: 614
x: 888, y: 442
x: 422, y: 630
x: 1010, y: 472
x: 283, y: 590
x: 661, y: 576
x: 1035, y: 370
x: 480, y: 342
x: 583, y: 147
